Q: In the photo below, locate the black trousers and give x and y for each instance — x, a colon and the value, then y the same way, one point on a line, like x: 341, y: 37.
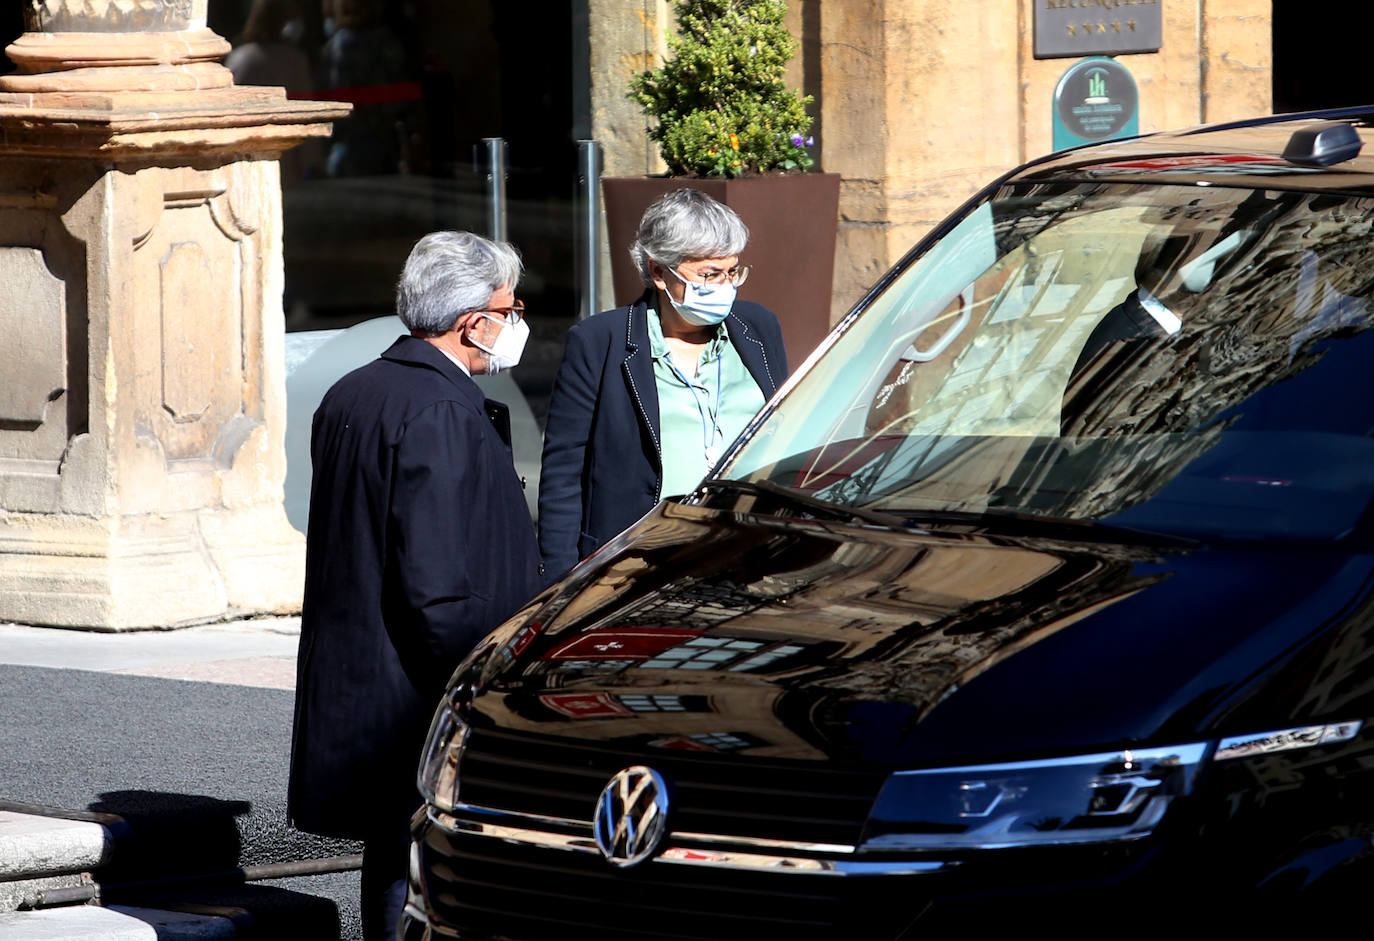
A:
x: 386, y: 859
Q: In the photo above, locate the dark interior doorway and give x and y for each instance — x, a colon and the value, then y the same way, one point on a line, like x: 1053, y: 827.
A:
x: 1319, y: 57
x: 429, y: 81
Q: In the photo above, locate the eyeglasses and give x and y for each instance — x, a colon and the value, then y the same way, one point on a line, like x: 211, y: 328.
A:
x: 736, y: 275
x: 511, y: 315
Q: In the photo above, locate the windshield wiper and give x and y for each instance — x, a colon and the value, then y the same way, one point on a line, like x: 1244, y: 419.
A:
x: 1018, y: 522
x: 1009, y: 522
x: 812, y: 504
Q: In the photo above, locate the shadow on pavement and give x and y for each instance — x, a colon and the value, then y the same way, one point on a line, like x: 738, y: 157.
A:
x: 183, y: 853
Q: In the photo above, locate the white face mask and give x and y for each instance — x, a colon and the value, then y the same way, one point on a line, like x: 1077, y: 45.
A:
x: 703, y: 305
x: 510, y: 344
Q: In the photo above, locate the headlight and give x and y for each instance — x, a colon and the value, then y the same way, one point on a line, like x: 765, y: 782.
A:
x: 1085, y: 798
x: 448, y: 734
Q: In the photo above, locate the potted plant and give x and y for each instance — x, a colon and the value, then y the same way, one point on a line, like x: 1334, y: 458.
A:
x: 727, y: 123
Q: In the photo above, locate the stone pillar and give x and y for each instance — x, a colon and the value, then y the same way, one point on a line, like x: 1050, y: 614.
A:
x: 626, y: 37
x: 142, y: 409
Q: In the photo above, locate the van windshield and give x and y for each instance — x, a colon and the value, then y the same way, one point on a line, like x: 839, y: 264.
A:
x: 1194, y: 360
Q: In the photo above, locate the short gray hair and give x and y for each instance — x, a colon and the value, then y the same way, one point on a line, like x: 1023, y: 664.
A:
x: 684, y: 225
x: 449, y: 274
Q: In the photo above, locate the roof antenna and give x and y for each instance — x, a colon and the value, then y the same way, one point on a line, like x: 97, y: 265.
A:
x: 1323, y: 145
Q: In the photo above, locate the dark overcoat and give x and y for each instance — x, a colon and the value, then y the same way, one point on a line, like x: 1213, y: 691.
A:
x: 603, y: 465
x: 419, y: 544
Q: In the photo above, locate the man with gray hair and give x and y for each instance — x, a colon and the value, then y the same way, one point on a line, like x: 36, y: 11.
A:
x: 419, y: 543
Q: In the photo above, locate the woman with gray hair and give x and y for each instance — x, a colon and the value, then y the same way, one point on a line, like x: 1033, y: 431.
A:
x: 649, y: 395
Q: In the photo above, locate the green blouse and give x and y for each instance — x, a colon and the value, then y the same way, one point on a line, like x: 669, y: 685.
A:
x: 698, y: 417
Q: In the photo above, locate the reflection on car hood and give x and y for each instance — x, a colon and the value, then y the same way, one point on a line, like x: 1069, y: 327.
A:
x: 786, y: 638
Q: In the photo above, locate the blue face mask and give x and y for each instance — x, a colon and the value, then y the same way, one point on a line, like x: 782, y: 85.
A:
x: 703, y: 305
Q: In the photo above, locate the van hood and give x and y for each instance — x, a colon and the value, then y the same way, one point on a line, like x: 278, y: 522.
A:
x: 786, y: 638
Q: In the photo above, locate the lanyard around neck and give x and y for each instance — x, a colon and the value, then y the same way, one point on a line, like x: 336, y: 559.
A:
x: 708, y: 412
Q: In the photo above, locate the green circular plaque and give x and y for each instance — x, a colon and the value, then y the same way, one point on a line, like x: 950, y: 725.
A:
x: 1095, y: 100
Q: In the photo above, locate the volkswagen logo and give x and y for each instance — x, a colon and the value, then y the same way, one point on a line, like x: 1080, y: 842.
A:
x: 631, y: 815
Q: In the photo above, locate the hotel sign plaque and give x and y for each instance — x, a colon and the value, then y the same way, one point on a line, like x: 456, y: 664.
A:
x: 1077, y: 28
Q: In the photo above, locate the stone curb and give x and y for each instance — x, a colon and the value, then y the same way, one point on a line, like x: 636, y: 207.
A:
x: 90, y: 923
x: 33, y: 846
x: 48, y: 849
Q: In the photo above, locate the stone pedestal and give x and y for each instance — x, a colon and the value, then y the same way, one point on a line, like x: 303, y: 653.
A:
x: 142, y: 409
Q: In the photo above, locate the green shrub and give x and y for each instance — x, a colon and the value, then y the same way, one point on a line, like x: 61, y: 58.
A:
x: 722, y: 106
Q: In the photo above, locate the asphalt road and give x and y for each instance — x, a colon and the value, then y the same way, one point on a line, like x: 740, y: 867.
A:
x: 198, y: 765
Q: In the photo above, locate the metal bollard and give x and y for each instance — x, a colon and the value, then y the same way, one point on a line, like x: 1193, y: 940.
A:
x: 496, y: 187
x: 588, y: 236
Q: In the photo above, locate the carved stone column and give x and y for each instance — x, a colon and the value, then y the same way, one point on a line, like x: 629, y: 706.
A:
x: 142, y: 402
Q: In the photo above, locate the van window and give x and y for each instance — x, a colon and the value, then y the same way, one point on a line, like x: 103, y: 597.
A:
x: 1168, y: 355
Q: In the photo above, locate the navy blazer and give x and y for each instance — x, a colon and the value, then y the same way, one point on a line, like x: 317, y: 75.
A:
x: 603, y: 464
x: 419, y: 543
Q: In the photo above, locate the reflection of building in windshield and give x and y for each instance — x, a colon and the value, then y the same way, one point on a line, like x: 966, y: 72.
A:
x: 1302, y: 279
x: 1110, y: 346
x: 1295, y: 278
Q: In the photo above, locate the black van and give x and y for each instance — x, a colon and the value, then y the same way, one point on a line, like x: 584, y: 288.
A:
x: 1043, y: 596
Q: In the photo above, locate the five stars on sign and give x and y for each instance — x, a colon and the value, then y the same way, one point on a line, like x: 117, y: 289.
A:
x: 1088, y: 28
